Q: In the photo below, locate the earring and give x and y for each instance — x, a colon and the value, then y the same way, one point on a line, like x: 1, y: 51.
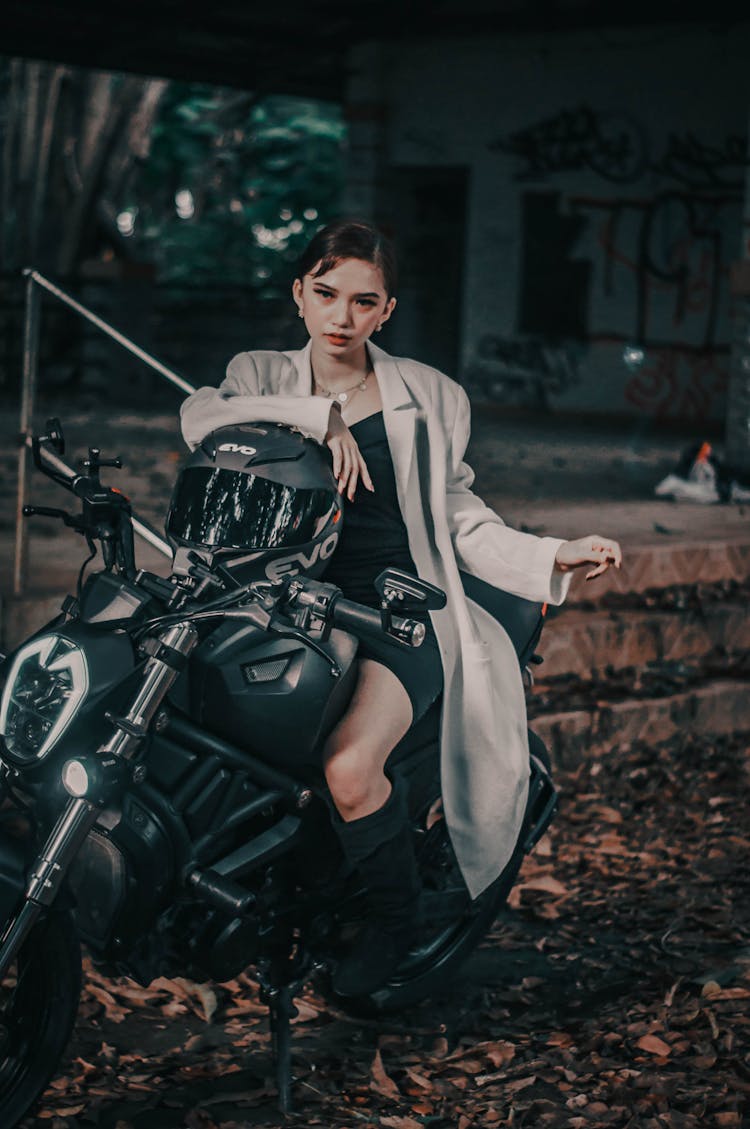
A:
x: 379, y: 327
x: 300, y: 312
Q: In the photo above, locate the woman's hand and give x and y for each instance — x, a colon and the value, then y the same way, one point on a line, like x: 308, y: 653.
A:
x: 601, y: 551
x: 348, y: 464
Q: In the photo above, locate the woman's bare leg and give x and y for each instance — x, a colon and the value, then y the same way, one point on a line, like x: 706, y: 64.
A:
x: 355, y: 753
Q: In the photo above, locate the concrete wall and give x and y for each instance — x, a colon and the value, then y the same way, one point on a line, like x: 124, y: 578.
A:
x: 605, y: 176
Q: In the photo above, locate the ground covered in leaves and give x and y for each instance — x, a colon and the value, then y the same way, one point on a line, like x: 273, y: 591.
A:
x: 613, y: 992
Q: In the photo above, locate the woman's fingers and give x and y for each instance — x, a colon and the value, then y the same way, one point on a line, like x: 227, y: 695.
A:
x: 348, y: 465
x: 611, y: 550
x: 598, y: 570
x: 596, y: 550
x: 335, y: 448
x: 358, y: 471
x: 354, y: 468
x: 365, y: 474
x: 351, y: 470
x: 606, y: 553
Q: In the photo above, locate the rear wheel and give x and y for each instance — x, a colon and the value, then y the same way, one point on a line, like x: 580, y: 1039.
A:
x: 38, y: 1004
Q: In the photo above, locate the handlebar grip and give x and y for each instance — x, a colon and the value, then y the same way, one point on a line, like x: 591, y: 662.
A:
x: 361, y: 619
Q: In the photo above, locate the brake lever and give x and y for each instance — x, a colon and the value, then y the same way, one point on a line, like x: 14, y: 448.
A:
x: 263, y: 614
x: 50, y: 511
x: 302, y: 637
x: 44, y: 511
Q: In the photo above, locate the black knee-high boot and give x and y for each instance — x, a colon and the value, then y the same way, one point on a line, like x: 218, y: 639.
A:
x: 380, y: 845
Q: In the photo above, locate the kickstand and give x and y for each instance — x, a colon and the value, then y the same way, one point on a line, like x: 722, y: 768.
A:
x: 281, y: 1008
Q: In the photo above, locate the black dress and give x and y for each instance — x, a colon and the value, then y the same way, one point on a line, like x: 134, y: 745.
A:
x: 374, y: 536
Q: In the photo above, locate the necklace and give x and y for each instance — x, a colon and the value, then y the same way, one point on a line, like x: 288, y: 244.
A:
x: 346, y: 393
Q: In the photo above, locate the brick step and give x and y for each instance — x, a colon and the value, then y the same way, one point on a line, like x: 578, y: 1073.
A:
x: 665, y: 565
x: 589, y: 644
x: 716, y: 708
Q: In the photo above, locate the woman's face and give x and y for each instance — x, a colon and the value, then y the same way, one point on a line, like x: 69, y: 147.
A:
x: 344, y: 306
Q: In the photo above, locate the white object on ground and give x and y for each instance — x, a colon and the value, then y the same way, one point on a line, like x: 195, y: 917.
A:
x: 688, y: 490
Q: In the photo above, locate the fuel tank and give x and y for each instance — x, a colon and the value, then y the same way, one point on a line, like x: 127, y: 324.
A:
x: 276, y: 697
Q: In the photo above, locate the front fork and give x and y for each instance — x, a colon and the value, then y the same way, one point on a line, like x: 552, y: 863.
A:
x: 168, y: 656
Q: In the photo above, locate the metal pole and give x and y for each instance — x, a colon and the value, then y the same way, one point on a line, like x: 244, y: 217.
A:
x: 28, y: 396
x: 109, y: 331
x: 148, y: 533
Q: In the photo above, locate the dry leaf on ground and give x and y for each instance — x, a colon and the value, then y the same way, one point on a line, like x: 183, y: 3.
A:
x: 381, y: 1082
x: 654, y: 1045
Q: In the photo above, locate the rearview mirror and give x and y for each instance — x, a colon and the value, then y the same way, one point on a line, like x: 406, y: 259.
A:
x: 399, y: 589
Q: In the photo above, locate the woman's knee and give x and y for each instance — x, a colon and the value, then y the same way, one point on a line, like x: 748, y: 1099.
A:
x: 352, y: 776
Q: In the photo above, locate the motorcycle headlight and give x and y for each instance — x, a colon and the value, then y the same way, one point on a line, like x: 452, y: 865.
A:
x: 46, y: 684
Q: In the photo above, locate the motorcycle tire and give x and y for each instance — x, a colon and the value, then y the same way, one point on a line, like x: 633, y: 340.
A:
x: 439, y: 953
x: 38, y: 1005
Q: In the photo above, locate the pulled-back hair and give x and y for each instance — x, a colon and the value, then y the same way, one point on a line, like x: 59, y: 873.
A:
x: 349, y: 239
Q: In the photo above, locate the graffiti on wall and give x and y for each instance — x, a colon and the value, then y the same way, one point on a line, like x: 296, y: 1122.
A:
x: 614, y: 271
x: 701, y: 165
x: 522, y: 370
x: 668, y: 257
x: 661, y: 280
x: 679, y: 382
x: 610, y: 145
x: 616, y: 148
x: 625, y: 268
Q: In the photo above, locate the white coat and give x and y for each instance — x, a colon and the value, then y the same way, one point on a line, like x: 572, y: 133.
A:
x: 484, y: 745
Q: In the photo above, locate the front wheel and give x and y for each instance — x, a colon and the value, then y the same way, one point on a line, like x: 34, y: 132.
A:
x: 38, y: 1004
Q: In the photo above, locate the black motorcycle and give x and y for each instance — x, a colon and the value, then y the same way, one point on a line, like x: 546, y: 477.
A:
x: 161, y: 800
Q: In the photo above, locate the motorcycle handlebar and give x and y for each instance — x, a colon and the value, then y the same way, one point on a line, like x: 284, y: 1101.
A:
x: 361, y: 619
x: 325, y: 601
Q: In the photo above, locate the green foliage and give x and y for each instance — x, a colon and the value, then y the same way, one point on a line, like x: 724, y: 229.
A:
x: 233, y: 186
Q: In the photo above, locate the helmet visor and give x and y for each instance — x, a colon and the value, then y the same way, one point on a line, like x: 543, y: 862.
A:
x: 216, y: 508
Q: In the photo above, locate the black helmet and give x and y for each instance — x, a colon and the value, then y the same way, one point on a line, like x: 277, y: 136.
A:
x: 262, y: 498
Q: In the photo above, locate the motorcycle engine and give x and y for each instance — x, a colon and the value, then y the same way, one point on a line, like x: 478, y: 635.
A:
x: 121, y: 877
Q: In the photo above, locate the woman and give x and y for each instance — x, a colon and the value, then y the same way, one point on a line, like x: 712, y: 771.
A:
x: 397, y: 431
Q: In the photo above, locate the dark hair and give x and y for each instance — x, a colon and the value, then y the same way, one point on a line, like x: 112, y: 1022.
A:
x: 350, y: 239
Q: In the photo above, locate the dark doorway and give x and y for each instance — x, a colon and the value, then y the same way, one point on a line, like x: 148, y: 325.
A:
x: 426, y: 212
